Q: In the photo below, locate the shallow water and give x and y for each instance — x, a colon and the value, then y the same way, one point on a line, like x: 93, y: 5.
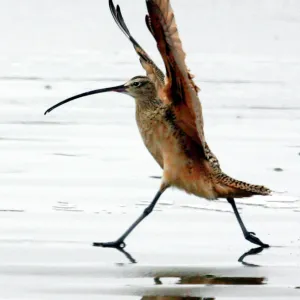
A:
x: 81, y: 174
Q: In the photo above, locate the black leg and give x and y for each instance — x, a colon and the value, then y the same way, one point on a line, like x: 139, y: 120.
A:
x: 249, y: 236
x: 119, y: 243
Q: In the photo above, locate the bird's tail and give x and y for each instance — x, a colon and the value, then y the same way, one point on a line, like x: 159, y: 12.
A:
x: 230, y: 187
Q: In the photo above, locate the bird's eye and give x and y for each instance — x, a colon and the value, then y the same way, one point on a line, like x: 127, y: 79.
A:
x: 136, y: 84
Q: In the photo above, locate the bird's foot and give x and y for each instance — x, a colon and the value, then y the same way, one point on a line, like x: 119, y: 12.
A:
x: 116, y: 244
x: 250, y: 236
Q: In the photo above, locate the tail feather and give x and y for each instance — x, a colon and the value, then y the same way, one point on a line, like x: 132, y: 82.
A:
x: 231, y: 187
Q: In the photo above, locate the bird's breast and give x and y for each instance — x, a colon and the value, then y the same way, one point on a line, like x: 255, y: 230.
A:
x: 167, y: 143
x: 183, y: 166
x: 153, y: 133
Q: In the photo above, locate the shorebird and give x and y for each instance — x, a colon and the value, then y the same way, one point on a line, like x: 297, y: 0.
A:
x: 169, y: 118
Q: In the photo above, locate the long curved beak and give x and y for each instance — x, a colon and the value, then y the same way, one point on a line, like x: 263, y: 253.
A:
x: 118, y: 88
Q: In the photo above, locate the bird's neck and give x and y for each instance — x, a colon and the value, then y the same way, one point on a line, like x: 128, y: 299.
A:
x: 147, y: 103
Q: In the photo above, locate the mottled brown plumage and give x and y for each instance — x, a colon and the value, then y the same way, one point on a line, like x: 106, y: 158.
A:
x: 182, y: 159
x: 169, y: 118
x: 172, y: 128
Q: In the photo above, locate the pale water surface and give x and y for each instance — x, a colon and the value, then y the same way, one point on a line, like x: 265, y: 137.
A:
x: 81, y: 174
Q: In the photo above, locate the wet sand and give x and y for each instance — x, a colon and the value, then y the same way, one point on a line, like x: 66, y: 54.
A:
x: 49, y: 256
x: 81, y: 174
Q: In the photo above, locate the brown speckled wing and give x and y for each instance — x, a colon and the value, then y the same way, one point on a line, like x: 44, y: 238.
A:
x: 180, y: 89
x: 152, y: 71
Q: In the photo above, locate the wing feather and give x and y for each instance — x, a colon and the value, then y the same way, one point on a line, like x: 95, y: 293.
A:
x: 152, y: 71
x: 148, y: 23
x: 180, y: 88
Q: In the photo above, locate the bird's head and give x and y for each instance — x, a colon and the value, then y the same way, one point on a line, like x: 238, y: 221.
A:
x: 138, y: 87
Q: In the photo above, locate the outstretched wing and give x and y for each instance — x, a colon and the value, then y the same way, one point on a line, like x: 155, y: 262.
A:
x: 153, y: 72
x: 180, y: 89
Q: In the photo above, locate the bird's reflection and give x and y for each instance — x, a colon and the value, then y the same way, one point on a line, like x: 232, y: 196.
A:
x: 127, y: 255
x: 252, y: 251
x: 204, y: 280
x: 174, y: 298
x: 194, y: 279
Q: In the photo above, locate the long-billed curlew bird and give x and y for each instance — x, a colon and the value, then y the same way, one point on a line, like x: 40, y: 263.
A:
x: 169, y: 118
